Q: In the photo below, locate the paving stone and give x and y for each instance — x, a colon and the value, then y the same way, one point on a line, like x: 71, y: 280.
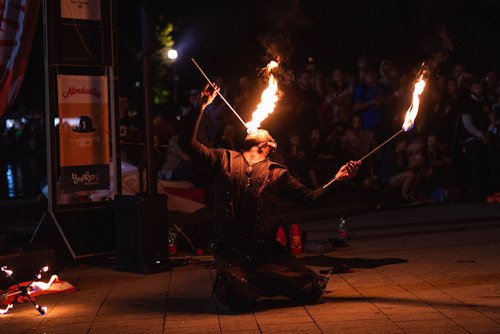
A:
x: 194, y: 330
x: 416, y: 316
x: 245, y: 322
x: 483, y: 328
x: 434, y: 323
x: 304, y: 327
x: 192, y: 322
x: 365, y: 330
x: 436, y: 330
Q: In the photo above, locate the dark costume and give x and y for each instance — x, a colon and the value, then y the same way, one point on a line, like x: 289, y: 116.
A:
x: 250, y: 262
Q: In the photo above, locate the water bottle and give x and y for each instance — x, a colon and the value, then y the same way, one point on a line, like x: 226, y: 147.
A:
x: 172, y: 242
x: 342, y: 232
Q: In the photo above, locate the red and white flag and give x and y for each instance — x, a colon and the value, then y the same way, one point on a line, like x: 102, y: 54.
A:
x: 19, y: 21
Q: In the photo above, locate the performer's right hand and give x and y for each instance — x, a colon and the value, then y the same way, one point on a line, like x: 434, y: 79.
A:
x: 348, y: 171
x: 208, y: 95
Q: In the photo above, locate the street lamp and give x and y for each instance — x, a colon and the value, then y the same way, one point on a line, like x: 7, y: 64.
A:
x: 172, y: 55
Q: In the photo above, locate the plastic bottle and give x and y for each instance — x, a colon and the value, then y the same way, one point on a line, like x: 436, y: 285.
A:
x: 281, y: 236
x: 342, y: 232
x: 172, y: 242
x: 295, y: 239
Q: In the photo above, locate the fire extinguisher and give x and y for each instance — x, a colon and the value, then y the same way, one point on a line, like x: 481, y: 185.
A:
x: 295, y: 239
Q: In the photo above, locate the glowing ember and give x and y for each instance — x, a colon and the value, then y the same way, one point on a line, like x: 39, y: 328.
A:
x: 42, y: 285
x: 5, y: 310
x: 7, y: 271
x: 412, y: 112
x: 41, y: 309
x: 268, y: 100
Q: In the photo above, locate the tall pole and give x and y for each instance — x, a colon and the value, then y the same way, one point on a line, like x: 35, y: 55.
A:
x: 146, y: 33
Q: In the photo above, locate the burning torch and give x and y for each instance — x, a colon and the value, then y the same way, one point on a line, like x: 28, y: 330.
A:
x: 408, y: 123
x: 218, y: 92
x: 27, y: 290
x: 269, y: 98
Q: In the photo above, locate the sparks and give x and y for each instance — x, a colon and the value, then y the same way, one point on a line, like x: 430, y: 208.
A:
x: 412, y: 112
x: 269, y: 98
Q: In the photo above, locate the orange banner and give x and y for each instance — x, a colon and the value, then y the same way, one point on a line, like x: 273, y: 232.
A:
x: 83, y: 132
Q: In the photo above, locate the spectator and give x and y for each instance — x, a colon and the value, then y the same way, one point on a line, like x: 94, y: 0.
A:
x: 337, y: 104
x: 370, y: 101
x: 357, y: 143
x: 439, y: 175
x: 462, y: 78
x: 298, y: 163
x: 228, y: 139
x: 492, y: 86
x: 307, y: 107
x: 475, y: 115
x: 322, y: 159
x: 394, y: 171
x: 389, y: 77
x: 363, y: 65
x: 216, y: 115
x: 178, y: 165
x: 319, y: 84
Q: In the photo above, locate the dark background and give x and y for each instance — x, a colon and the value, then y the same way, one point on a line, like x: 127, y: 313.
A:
x: 232, y: 38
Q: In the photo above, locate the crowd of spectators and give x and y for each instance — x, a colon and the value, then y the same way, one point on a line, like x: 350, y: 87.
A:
x: 324, y: 119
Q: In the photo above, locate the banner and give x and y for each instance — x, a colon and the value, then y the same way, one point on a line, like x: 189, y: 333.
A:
x: 19, y: 21
x: 83, y: 132
x: 81, y: 9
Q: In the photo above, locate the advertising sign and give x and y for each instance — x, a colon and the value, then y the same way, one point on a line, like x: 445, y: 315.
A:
x: 81, y: 9
x: 83, y: 132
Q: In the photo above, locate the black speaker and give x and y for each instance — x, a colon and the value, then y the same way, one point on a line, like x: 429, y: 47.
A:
x: 142, y: 233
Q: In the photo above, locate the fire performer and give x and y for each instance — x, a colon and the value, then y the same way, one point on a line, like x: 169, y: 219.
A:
x: 250, y: 262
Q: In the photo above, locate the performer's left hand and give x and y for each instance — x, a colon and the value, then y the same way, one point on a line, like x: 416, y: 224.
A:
x: 348, y: 171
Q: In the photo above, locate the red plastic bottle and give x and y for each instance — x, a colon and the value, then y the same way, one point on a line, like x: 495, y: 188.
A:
x: 281, y: 236
x: 295, y: 239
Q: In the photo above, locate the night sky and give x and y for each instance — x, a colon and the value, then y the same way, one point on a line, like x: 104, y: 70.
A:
x: 232, y: 38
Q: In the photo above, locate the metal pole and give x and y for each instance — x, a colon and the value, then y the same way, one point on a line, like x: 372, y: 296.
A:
x: 49, y: 114
x: 148, y: 113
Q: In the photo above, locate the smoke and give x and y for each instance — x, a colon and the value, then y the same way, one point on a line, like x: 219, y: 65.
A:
x: 439, y: 57
x: 283, y: 19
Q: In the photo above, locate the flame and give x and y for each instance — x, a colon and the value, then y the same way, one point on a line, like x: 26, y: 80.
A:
x: 41, y: 309
x: 42, y: 285
x: 412, y: 112
x: 5, y: 310
x: 7, y: 271
x: 268, y: 100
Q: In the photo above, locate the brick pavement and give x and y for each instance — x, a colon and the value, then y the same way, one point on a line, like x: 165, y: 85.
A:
x: 418, y: 270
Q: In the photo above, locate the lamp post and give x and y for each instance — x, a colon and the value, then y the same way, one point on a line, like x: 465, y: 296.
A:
x: 172, y: 55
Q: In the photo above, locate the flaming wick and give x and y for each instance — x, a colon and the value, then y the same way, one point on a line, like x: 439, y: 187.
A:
x: 218, y: 92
